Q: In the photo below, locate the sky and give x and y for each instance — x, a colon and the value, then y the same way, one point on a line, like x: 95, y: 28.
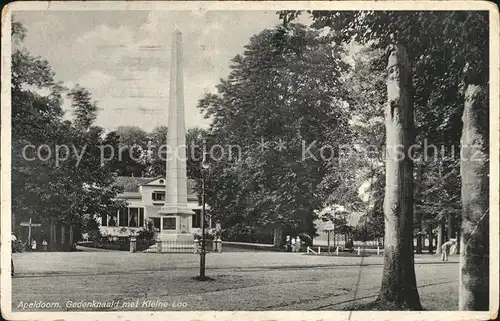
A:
x: 109, y: 53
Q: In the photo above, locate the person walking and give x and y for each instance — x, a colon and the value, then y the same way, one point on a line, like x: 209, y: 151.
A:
x: 445, y: 249
x: 288, y: 243
x: 297, y: 244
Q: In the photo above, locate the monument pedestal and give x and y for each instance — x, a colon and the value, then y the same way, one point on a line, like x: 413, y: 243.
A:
x: 176, y: 243
x: 176, y: 236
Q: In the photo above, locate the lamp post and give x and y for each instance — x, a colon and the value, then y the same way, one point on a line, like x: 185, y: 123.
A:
x: 333, y: 227
x: 204, y: 169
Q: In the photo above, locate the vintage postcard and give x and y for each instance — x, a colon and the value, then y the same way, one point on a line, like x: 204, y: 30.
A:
x: 213, y: 160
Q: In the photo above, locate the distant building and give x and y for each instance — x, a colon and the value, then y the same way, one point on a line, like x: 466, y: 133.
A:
x: 322, y: 238
x: 145, y: 197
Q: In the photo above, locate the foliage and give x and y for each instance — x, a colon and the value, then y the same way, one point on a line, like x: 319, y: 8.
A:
x: 444, y: 42
x: 246, y: 233
x: 145, y: 235
x: 284, y: 87
x: 84, y: 109
x: 73, y: 189
x: 454, y: 46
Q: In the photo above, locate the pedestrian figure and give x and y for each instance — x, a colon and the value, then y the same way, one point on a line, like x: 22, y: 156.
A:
x: 44, y: 244
x: 350, y: 244
x: 33, y: 245
x: 445, y: 249
x: 297, y: 244
x: 288, y: 243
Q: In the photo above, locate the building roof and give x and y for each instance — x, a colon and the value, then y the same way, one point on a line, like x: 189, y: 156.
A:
x: 131, y: 185
x: 129, y: 195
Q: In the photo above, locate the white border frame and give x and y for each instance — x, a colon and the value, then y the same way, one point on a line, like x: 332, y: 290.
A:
x: 5, y: 280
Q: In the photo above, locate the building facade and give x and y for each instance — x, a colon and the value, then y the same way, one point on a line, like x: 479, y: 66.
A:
x: 144, y: 198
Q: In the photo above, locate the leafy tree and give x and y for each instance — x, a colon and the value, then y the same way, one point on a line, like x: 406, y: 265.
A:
x: 444, y: 42
x: 84, y: 109
x: 285, y: 87
x: 64, y: 183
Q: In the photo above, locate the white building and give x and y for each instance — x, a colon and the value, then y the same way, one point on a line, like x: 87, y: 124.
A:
x: 145, y: 197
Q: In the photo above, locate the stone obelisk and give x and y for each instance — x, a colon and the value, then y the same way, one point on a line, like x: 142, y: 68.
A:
x: 176, y: 177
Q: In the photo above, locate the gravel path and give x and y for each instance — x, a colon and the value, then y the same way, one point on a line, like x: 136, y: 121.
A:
x: 242, y: 281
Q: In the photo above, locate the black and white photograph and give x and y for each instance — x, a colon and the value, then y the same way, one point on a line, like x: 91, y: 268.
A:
x: 250, y: 160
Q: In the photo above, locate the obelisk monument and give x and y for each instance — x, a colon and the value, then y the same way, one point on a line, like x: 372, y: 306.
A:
x: 175, y: 212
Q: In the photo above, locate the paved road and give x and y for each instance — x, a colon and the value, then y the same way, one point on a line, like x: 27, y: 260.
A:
x: 242, y: 281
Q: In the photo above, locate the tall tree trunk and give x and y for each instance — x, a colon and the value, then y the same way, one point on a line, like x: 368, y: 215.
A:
x: 63, y: 235
x: 419, y: 239
x: 440, y: 237
x: 419, y: 213
x: 53, y: 241
x: 474, y: 247
x: 450, y: 227
x: 431, y: 239
x: 71, y: 236
x: 278, y: 237
x: 457, y: 248
x: 13, y: 224
x: 399, y: 285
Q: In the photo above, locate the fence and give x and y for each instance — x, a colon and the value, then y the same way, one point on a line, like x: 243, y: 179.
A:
x: 176, y: 246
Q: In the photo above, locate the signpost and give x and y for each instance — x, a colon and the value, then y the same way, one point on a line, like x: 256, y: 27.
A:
x: 328, y: 228
x: 30, y: 225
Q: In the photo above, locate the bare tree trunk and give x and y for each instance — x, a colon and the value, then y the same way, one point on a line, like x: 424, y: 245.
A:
x: 13, y: 222
x: 431, y: 239
x: 54, y: 236
x: 440, y: 237
x: 71, y: 235
x: 474, y: 247
x: 457, y: 248
x: 419, y: 239
x: 278, y: 237
x: 399, y: 285
x: 63, y: 235
x: 450, y: 226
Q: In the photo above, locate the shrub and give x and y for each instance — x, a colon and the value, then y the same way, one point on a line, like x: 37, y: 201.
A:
x: 145, y: 235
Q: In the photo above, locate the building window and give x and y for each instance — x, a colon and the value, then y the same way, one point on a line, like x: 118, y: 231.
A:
x: 123, y: 218
x: 133, y: 216
x: 112, y: 221
x: 141, y: 216
x: 169, y: 223
x: 104, y: 219
x: 159, y: 196
x: 162, y: 181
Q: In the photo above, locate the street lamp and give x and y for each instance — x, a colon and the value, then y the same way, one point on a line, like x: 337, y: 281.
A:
x: 205, y: 167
